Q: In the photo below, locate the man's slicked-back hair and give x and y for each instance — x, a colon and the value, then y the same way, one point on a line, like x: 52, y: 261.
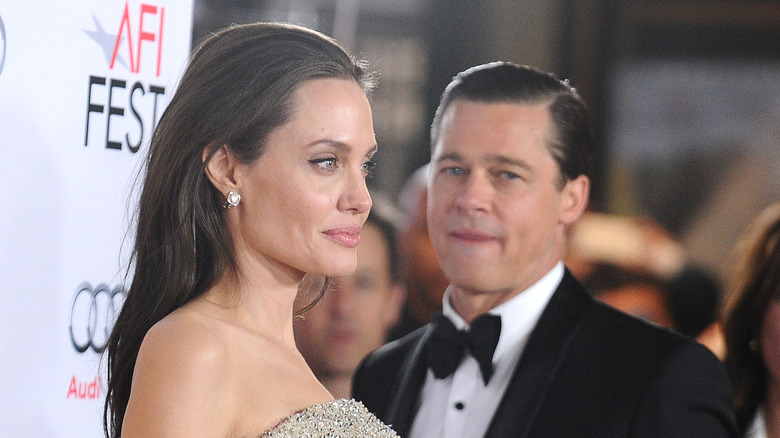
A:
x: 505, y: 82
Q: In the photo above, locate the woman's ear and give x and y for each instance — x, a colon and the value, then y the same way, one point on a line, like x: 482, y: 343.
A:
x: 574, y: 200
x: 221, y: 167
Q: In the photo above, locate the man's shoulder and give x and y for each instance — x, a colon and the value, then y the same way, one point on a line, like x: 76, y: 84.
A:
x: 612, y: 337
x: 609, y: 337
x: 601, y: 321
x: 610, y: 322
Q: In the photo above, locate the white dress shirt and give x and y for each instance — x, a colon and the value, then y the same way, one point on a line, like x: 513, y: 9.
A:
x: 757, y: 428
x: 460, y: 405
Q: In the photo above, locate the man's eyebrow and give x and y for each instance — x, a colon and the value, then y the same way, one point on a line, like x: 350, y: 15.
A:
x: 495, y: 159
x: 503, y: 159
x: 450, y: 156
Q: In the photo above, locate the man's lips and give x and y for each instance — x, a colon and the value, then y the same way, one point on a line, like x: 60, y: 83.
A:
x: 472, y: 235
x: 347, y: 236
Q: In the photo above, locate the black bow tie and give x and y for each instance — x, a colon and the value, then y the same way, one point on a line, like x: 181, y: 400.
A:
x: 446, y: 345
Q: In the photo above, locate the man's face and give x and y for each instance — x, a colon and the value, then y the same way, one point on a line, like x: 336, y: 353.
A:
x: 353, y: 317
x: 496, y: 212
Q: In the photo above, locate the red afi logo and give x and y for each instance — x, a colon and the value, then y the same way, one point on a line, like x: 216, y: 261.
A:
x: 125, y: 27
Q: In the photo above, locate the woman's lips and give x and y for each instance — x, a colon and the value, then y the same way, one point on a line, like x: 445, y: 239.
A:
x: 347, y: 236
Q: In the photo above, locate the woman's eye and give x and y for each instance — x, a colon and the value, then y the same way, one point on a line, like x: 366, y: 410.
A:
x: 325, y: 163
x: 367, y: 167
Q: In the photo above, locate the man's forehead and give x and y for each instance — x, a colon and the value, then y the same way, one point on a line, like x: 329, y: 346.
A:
x: 487, y: 158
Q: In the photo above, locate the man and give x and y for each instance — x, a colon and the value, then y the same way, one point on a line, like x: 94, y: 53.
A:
x: 355, y: 314
x: 510, y: 151
x: 425, y: 282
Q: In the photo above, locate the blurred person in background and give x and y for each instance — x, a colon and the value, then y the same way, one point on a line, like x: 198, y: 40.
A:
x: 647, y: 274
x: 355, y: 314
x: 639, y: 294
x: 634, y: 243
x: 422, y: 275
x: 751, y: 322
x: 695, y: 298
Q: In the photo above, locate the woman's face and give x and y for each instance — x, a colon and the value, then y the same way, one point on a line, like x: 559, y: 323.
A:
x: 304, y: 200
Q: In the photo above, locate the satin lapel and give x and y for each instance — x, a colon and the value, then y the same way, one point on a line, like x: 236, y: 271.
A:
x: 539, y: 363
x: 403, y: 406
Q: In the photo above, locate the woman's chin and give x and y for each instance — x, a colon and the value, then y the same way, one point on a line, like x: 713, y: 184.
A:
x: 340, y: 270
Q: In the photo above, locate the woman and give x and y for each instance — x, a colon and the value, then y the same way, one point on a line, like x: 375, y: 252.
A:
x: 752, y: 328
x: 254, y: 178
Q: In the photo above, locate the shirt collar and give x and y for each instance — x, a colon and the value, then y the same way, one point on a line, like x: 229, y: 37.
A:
x: 757, y: 427
x: 519, y: 314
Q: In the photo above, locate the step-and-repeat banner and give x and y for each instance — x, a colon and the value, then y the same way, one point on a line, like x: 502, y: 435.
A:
x: 82, y: 85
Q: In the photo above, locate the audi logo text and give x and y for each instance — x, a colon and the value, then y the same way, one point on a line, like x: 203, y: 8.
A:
x: 92, y: 315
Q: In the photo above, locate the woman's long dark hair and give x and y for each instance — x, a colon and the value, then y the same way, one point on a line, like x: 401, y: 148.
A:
x: 237, y: 88
x: 756, y: 283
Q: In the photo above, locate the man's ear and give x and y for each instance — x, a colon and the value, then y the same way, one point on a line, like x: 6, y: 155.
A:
x: 574, y: 199
x: 220, y: 168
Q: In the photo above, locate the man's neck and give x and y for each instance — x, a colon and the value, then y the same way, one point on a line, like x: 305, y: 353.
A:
x: 470, y: 303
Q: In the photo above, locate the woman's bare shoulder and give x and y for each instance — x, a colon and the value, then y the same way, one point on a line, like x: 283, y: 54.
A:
x: 187, y: 339
x: 181, y: 380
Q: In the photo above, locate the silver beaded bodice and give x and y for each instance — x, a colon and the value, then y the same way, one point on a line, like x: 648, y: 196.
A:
x: 334, y: 419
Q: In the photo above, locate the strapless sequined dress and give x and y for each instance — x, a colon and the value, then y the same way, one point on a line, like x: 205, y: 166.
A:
x: 334, y: 419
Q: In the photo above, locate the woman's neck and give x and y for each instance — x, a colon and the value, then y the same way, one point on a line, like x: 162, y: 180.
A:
x: 260, y: 302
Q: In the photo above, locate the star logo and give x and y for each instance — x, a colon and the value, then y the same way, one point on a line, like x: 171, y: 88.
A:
x: 106, y: 41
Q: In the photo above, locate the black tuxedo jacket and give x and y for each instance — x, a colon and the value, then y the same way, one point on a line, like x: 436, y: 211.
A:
x: 587, y: 371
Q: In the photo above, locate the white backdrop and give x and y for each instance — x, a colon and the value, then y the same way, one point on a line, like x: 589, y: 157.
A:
x: 81, y: 84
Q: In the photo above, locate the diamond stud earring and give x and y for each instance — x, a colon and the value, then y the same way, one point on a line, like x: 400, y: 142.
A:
x: 233, y: 199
